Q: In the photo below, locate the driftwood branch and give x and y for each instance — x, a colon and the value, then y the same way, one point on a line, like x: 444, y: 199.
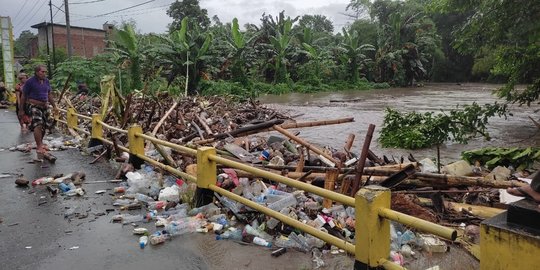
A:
x: 306, y: 144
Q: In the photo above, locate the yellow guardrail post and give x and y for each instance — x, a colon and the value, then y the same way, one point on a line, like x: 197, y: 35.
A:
x: 136, y: 144
x: 97, y: 128
x: 206, y: 176
x: 71, y: 118
x: 372, y: 232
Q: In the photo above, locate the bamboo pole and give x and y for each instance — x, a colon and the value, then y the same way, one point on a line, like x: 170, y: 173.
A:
x: 306, y: 144
x: 162, y: 120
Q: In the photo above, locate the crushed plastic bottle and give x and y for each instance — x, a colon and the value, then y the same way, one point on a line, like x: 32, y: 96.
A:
x: 182, y: 226
x: 272, y: 222
x: 157, y: 205
x: 289, y: 201
x: 317, y: 258
x: 143, y: 198
x: 159, y: 237
x: 230, y: 235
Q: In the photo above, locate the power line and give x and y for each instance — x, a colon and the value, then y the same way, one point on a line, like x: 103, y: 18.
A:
x: 27, y: 13
x: 116, y: 11
x: 34, y: 14
x: 18, y: 12
x: 128, y: 13
x: 88, y: 2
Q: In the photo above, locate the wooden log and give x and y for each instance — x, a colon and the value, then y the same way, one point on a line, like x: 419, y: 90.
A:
x: 373, y: 157
x: 452, y: 180
x: 362, y: 160
x: 349, y: 143
x: 301, y: 162
x: 477, y: 210
x: 198, y: 129
x: 205, y: 126
x: 329, y: 184
x: 306, y: 144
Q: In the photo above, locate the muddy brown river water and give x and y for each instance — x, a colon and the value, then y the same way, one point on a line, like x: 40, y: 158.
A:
x: 516, y: 131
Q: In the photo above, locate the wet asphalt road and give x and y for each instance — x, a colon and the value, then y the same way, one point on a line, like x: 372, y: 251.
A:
x: 35, y: 235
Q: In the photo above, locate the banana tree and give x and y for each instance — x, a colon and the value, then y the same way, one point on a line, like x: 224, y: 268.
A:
x: 354, y: 56
x: 281, y: 43
x: 128, y: 49
x: 238, y: 44
x: 184, y: 52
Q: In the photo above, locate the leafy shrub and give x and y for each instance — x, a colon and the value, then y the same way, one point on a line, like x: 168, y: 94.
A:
x: 493, y: 156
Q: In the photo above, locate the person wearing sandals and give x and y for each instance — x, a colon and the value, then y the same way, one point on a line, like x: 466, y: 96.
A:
x: 37, y: 94
x: 23, y: 120
x: 531, y: 192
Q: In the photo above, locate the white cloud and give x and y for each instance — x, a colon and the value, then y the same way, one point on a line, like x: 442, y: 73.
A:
x: 152, y: 17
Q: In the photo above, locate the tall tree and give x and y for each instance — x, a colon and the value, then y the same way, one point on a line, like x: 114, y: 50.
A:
x: 317, y: 23
x: 512, y: 29
x: 188, y: 8
x: 23, y: 43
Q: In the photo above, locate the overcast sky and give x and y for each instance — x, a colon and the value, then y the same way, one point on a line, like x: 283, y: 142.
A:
x: 152, y: 16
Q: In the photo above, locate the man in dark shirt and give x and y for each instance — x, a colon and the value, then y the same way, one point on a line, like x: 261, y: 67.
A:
x: 37, y: 94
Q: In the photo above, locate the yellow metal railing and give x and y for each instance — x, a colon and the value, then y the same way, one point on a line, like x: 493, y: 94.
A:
x: 371, y: 203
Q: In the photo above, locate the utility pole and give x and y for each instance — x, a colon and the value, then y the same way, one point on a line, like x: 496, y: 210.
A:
x: 51, y: 71
x: 69, y: 49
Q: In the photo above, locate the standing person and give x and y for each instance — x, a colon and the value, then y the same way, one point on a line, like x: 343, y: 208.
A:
x: 37, y: 94
x: 24, y: 119
x: 531, y: 192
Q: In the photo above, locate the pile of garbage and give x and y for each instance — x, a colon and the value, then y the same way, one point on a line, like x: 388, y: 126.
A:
x: 460, y: 195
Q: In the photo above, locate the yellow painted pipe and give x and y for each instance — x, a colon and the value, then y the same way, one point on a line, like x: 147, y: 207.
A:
x: 180, y: 148
x: 112, y: 128
x: 84, y: 116
x: 168, y: 168
x: 386, y: 264
x: 346, y: 200
x: 419, y: 224
x: 125, y: 149
x: 287, y: 220
x: 81, y: 130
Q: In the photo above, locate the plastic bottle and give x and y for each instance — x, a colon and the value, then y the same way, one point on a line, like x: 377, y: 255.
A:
x: 261, y: 242
x: 140, y: 231
x: 143, y: 241
x: 122, y: 202
x: 143, y: 198
x: 285, y: 202
x: 230, y: 235
x: 301, y: 241
x: 156, y: 205
x: 182, y: 226
x: 131, y: 206
x: 64, y: 187
x: 127, y: 218
x: 151, y: 215
x: 285, y: 242
x: 272, y: 222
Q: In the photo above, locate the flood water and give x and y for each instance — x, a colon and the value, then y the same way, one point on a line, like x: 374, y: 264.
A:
x: 368, y: 108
